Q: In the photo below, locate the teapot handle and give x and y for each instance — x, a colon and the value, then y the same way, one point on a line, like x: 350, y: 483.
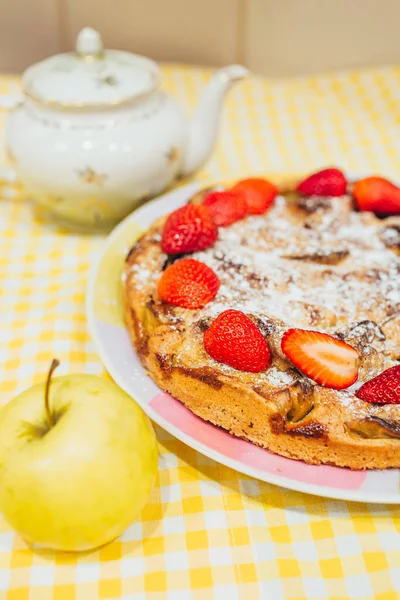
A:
x: 10, y: 101
x: 8, y: 176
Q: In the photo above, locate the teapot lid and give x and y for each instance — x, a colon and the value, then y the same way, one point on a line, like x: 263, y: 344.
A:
x: 91, y: 76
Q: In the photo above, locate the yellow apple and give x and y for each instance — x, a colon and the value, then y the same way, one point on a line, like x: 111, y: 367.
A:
x: 77, y: 464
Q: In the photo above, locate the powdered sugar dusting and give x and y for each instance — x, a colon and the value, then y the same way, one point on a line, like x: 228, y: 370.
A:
x: 266, y: 267
x: 323, y: 268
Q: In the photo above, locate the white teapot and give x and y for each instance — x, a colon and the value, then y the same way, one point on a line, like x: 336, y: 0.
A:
x: 92, y: 136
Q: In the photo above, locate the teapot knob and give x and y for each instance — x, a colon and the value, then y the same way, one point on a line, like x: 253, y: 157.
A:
x: 89, y: 43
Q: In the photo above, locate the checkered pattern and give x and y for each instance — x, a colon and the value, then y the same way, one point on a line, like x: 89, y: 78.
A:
x: 207, y: 532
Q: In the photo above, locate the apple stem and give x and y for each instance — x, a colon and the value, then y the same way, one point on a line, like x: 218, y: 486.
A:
x: 49, y: 414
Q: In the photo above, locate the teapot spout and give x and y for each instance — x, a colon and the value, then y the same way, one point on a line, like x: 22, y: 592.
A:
x: 203, y: 127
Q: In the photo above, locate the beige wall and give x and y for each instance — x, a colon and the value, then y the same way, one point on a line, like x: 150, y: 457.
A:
x: 273, y: 37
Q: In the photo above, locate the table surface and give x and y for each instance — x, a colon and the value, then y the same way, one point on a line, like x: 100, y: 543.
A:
x: 207, y: 532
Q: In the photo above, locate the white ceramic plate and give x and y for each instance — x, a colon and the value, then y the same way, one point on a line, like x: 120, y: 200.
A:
x: 105, y: 318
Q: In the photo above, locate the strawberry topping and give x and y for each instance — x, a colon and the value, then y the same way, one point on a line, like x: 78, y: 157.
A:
x: 325, y: 359
x: 382, y: 389
x: 328, y: 182
x: 377, y: 195
x: 258, y: 193
x: 188, y: 229
x: 226, y: 207
x: 233, y: 339
x: 188, y: 283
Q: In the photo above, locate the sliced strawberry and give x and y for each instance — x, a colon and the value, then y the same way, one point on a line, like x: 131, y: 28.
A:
x: 188, y: 229
x: 234, y: 340
x: 377, y: 195
x: 328, y: 182
x: 383, y: 389
x: 188, y: 283
x: 325, y: 359
x: 258, y: 193
x: 226, y: 207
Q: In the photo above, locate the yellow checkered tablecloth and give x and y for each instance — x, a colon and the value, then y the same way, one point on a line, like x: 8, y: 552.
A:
x: 207, y: 532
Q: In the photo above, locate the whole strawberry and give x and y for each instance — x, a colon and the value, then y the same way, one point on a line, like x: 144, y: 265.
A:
x: 234, y: 340
x: 188, y: 229
x: 377, y: 195
x: 328, y: 182
x: 188, y: 283
x: 258, y: 193
x: 226, y: 207
x: 383, y: 389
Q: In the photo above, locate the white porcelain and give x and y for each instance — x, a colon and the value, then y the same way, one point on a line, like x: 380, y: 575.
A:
x: 92, y: 135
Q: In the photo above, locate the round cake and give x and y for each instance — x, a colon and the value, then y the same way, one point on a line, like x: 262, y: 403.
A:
x: 312, y: 277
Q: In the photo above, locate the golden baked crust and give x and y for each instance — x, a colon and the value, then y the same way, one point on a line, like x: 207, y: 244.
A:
x: 312, y: 263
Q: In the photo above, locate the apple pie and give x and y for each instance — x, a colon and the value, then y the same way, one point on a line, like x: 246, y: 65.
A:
x: 288, y: 333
